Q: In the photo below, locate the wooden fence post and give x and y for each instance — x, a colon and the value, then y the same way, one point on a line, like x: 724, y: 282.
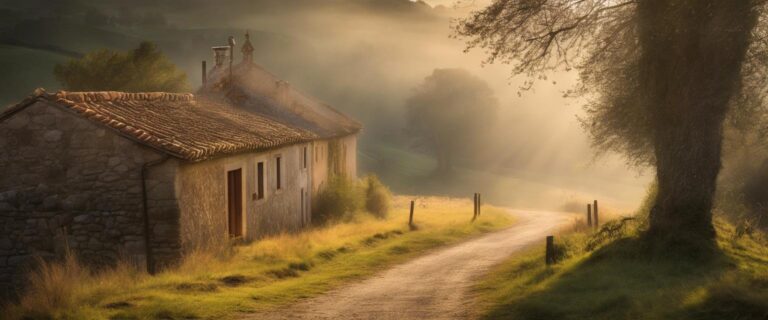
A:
x: 479, y: 203
x: 589, y: 215
x: 474, y: 207
x: 597, y: 224
x: 550, y: 255
x: 410, y: 219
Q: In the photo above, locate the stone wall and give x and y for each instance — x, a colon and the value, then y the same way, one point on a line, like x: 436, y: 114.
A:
x: 202, y: 191
x: 69, y: 183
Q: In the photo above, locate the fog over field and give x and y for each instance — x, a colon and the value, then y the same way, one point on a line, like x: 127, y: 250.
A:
x: 364, y: 57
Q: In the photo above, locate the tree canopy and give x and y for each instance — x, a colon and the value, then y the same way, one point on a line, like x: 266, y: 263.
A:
x: 140, y: 70
x: 660, y: 77
x: 450, y: 111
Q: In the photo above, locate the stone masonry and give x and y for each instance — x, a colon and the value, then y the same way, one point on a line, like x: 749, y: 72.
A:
x: 69, y: 184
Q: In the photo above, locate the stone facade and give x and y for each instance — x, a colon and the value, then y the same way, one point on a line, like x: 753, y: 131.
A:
x: 202, y: 191
x: 203, y: 196
x: 70, y: 184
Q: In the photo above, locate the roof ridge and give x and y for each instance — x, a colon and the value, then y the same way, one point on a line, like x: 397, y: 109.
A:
x: 98, y: 96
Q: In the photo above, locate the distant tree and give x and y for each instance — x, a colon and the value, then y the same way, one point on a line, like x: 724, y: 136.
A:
x: 451, y: 110
x: 142, y: 69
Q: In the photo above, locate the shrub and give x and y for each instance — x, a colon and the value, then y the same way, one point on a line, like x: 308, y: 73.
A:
x: 377, y: 197
x: 339, y: 200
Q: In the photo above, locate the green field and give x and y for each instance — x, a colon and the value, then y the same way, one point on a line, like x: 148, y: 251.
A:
x: 411, y: 172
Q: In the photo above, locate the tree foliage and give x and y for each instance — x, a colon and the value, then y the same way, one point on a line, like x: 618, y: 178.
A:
x: 140, y: 70
x: 660, y: 77
x: 599, y: 39
x: 450, y: 111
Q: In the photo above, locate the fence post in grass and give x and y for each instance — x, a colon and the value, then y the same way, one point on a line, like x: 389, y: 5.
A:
x: 589, y: 214
x: 474, y: 207
x: 597, y: 224
x: 479, y: 203
x: 410, y: 218
x: 550, y: 255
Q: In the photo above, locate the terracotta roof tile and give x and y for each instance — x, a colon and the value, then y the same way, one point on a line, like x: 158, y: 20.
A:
x: 182, y: 125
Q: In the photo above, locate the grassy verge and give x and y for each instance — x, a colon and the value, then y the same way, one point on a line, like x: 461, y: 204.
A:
x: 257, y: 276
x: 618, y: 280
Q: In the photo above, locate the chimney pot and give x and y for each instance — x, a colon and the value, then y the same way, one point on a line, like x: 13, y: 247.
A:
x: 220, y: 55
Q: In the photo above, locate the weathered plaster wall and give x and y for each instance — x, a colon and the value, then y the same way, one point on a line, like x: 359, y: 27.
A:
x: 202, y: 191
x: 349, y: 143
x: 321, y: 160
x: 320, y: 167
x: 67, y: 182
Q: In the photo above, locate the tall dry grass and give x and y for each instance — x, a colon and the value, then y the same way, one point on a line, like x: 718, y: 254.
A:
x: 53, y: 286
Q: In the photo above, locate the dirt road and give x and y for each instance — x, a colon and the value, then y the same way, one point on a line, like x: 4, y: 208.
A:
x: 435, y: 286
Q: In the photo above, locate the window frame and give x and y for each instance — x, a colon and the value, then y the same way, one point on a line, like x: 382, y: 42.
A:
x: 260, y: 193
x: 279, y: 172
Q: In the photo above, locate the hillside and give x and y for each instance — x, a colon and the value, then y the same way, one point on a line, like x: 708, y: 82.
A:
x: 24, y: 70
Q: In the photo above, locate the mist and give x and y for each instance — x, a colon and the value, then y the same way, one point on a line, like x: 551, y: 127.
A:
x: 366, y: 58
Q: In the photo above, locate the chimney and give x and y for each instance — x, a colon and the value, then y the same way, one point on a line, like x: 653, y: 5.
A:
x: 231, y: 42
x: 220, y: 55
x: 205, y: 74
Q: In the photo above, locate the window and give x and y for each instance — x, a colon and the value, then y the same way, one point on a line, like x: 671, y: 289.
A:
x: 278, y: 175
x: 260, y: 180
x: 304, y: 159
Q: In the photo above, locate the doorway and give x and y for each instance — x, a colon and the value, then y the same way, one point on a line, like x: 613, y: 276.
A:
x: 235, y: 202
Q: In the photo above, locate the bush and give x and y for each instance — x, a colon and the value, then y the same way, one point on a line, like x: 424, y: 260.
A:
x: 377, y: 197
x: 339, y: 200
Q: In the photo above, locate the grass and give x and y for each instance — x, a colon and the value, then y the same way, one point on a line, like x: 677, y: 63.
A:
x: 406, y: 171
x: 258, y: 276
x: 619, y: 280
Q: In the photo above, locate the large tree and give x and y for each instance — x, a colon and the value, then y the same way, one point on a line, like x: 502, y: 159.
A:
x: 451, y: 111
x: 660, y: 76
x: 142, y: 69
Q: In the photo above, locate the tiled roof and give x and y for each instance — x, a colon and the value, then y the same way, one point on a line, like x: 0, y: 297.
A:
x: 182, y: 125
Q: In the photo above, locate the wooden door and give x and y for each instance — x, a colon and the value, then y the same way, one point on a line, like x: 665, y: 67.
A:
x: 235, y: 202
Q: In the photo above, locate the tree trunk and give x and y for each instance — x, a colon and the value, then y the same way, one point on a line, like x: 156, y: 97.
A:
x: 690, y: 63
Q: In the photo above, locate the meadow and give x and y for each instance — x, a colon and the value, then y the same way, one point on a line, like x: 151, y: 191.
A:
x: 264, y: 274
x: 601, y: 276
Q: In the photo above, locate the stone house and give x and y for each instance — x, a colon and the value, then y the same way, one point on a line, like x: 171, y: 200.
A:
x: 149, y: 176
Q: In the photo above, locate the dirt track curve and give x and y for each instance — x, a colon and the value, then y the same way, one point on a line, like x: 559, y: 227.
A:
x: 434, y: 286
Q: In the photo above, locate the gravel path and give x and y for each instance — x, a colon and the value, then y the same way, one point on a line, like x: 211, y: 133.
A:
x: 435, y: 286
